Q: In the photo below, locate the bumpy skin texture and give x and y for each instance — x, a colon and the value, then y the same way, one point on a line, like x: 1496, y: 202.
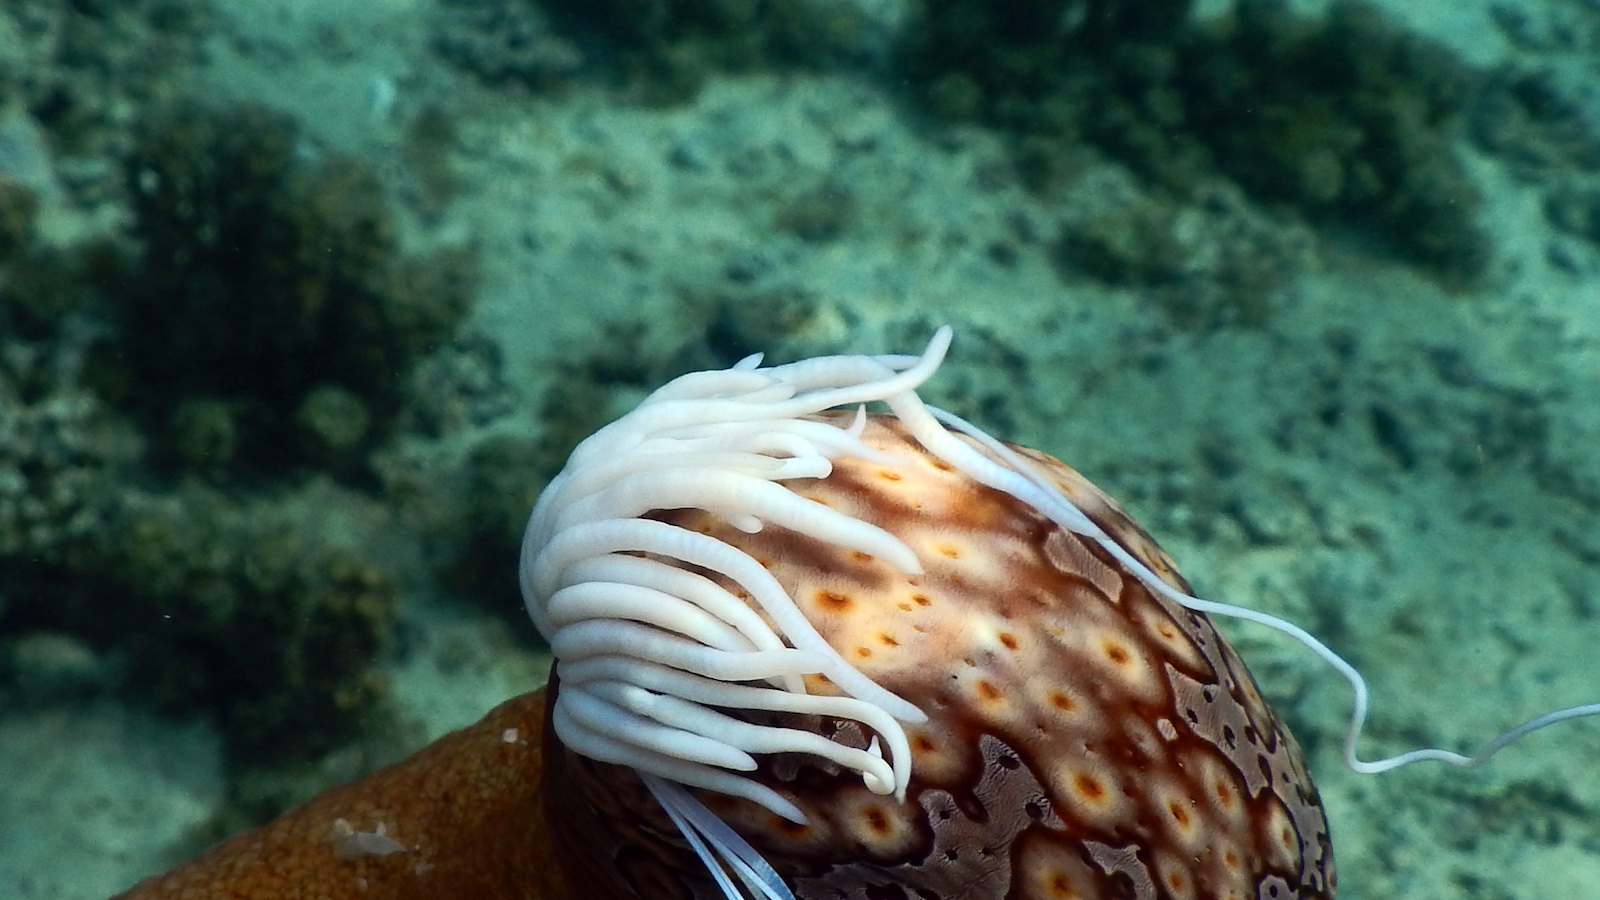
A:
x: 1086, y: 739
x: 466, y: 813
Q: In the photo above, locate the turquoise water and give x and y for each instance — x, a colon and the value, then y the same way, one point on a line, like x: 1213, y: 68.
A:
x: 300, y: 303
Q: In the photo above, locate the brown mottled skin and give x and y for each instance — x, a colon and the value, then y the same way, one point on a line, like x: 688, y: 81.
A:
x: 468, y: 809
x: 1086, y: 740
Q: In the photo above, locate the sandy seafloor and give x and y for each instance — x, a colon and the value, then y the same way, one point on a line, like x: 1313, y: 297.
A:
x: 1467, y: 595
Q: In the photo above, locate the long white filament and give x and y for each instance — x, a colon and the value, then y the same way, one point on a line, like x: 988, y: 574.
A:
x: 1018, y: 478
x: 718, y: 846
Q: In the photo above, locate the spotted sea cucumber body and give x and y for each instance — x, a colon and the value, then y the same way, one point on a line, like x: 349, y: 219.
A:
x: 1087, y: 739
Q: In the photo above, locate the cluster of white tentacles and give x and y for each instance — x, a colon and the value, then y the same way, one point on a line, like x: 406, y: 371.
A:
x: 650, y: 653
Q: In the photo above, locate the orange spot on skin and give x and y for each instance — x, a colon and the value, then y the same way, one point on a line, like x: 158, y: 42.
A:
x: 1224, y: 795
x: 860, y: 557
x: 833, y: 601
x: 863, y: 652
x: 903, y: 607
x: 948, y: 551
x: 887, y: 641
x: 1009, y: 640
x: 887, y: 475
x: 1062, y: 701
x: 1116, y: 652
x: 923, y: 744
x: 1090, y: 787
x: 877, y: 820
x: 1179, y: 814
x: 921, y: 600
x: 988, y: 691
x: 1062, y: 888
